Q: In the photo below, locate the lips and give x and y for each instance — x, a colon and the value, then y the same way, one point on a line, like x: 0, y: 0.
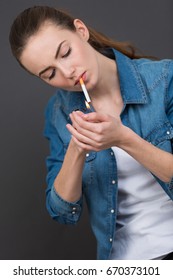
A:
x: 83, y: 76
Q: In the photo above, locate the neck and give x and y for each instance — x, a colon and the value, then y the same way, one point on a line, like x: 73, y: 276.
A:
x: 107, y: 90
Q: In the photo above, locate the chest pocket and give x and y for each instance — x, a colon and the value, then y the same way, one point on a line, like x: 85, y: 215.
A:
x: 162, y: 136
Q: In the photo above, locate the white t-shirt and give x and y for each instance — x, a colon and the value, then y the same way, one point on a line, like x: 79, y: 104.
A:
x: 144, y: 228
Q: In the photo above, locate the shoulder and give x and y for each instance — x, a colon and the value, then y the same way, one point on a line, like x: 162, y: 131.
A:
x: 161, y: 67
x: 54, y: 102
x: 154, y: 71
x: 59, y: 97
x: 63, y: 102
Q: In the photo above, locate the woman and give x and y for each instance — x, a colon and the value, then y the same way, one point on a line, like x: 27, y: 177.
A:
x: 120, y: 156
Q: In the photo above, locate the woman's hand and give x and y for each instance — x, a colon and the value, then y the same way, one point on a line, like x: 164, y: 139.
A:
x: 96, y: 131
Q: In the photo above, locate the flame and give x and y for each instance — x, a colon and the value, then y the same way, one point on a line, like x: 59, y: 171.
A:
x: 87, y: 105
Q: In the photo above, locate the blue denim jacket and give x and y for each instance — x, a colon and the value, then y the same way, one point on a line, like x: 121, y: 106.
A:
x: 147, y: 91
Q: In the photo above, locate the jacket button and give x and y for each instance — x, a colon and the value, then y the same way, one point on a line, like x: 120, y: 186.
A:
x: 168, y: 132
x: 110, y: 239
x: 73, y: 210
x: 113, y: 182
x: 87, y: 155
x: 112, y: 211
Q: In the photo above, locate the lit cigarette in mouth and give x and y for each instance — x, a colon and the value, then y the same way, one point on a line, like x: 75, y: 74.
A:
x: 88, y: 100
x: 85, y: 90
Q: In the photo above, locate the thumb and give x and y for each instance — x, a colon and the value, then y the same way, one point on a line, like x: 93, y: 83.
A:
x: 95, y: 117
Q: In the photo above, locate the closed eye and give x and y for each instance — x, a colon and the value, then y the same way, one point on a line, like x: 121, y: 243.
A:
x: 67, y: 53
x: 52, y: 74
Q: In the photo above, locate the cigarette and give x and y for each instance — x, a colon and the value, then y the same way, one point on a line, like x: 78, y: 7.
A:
x: 85, y: 90
x: 89, y: 106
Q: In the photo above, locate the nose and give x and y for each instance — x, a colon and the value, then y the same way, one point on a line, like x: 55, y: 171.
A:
x: 67, y: 70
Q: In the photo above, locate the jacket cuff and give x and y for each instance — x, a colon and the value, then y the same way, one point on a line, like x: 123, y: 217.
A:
x: 171, y: 185
x: 63, y: 211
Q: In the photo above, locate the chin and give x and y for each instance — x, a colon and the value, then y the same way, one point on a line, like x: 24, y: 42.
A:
x: 92, y: 84
x: 92, y: 87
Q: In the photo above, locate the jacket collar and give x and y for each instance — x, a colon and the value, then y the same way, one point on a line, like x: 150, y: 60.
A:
x: 131, y: 84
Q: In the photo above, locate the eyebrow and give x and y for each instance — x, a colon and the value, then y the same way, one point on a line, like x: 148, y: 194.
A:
x: 56, y: 55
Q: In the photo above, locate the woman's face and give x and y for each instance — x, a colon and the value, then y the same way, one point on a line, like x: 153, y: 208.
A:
x: 60, y: 57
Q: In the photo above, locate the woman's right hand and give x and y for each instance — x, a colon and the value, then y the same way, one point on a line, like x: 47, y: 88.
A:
x: 97, y: 131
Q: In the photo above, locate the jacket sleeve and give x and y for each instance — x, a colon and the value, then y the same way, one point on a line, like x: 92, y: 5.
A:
x: 169, y: 95
x: 169, y: 104
x: 62, y: 211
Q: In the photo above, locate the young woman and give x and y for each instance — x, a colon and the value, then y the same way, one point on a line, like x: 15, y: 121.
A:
x: 120, y: 157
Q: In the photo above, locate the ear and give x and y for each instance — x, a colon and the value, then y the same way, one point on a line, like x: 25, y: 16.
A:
x: 81, y: 29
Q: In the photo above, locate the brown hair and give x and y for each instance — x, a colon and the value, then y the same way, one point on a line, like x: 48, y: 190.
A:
x: 30, y: 20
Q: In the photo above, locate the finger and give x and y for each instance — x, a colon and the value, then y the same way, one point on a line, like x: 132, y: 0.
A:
x: 96, y: 117
x: 79, y: 113
x: 83, y: 146
x: 77, y: 135
x: 81, y: 138
x: 85, y: 126
x: 72, y: 119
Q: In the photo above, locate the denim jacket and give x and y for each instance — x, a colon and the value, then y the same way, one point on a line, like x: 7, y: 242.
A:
x: 147, y: 92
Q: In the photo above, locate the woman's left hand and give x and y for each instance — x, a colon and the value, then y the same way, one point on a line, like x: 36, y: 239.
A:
x: 96, y: 131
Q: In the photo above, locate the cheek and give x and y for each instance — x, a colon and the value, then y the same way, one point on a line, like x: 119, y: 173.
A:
x: 58, y: 82
x: 82, y: 53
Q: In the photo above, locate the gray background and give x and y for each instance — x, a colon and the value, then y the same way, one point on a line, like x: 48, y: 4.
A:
x: 26, y: 230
